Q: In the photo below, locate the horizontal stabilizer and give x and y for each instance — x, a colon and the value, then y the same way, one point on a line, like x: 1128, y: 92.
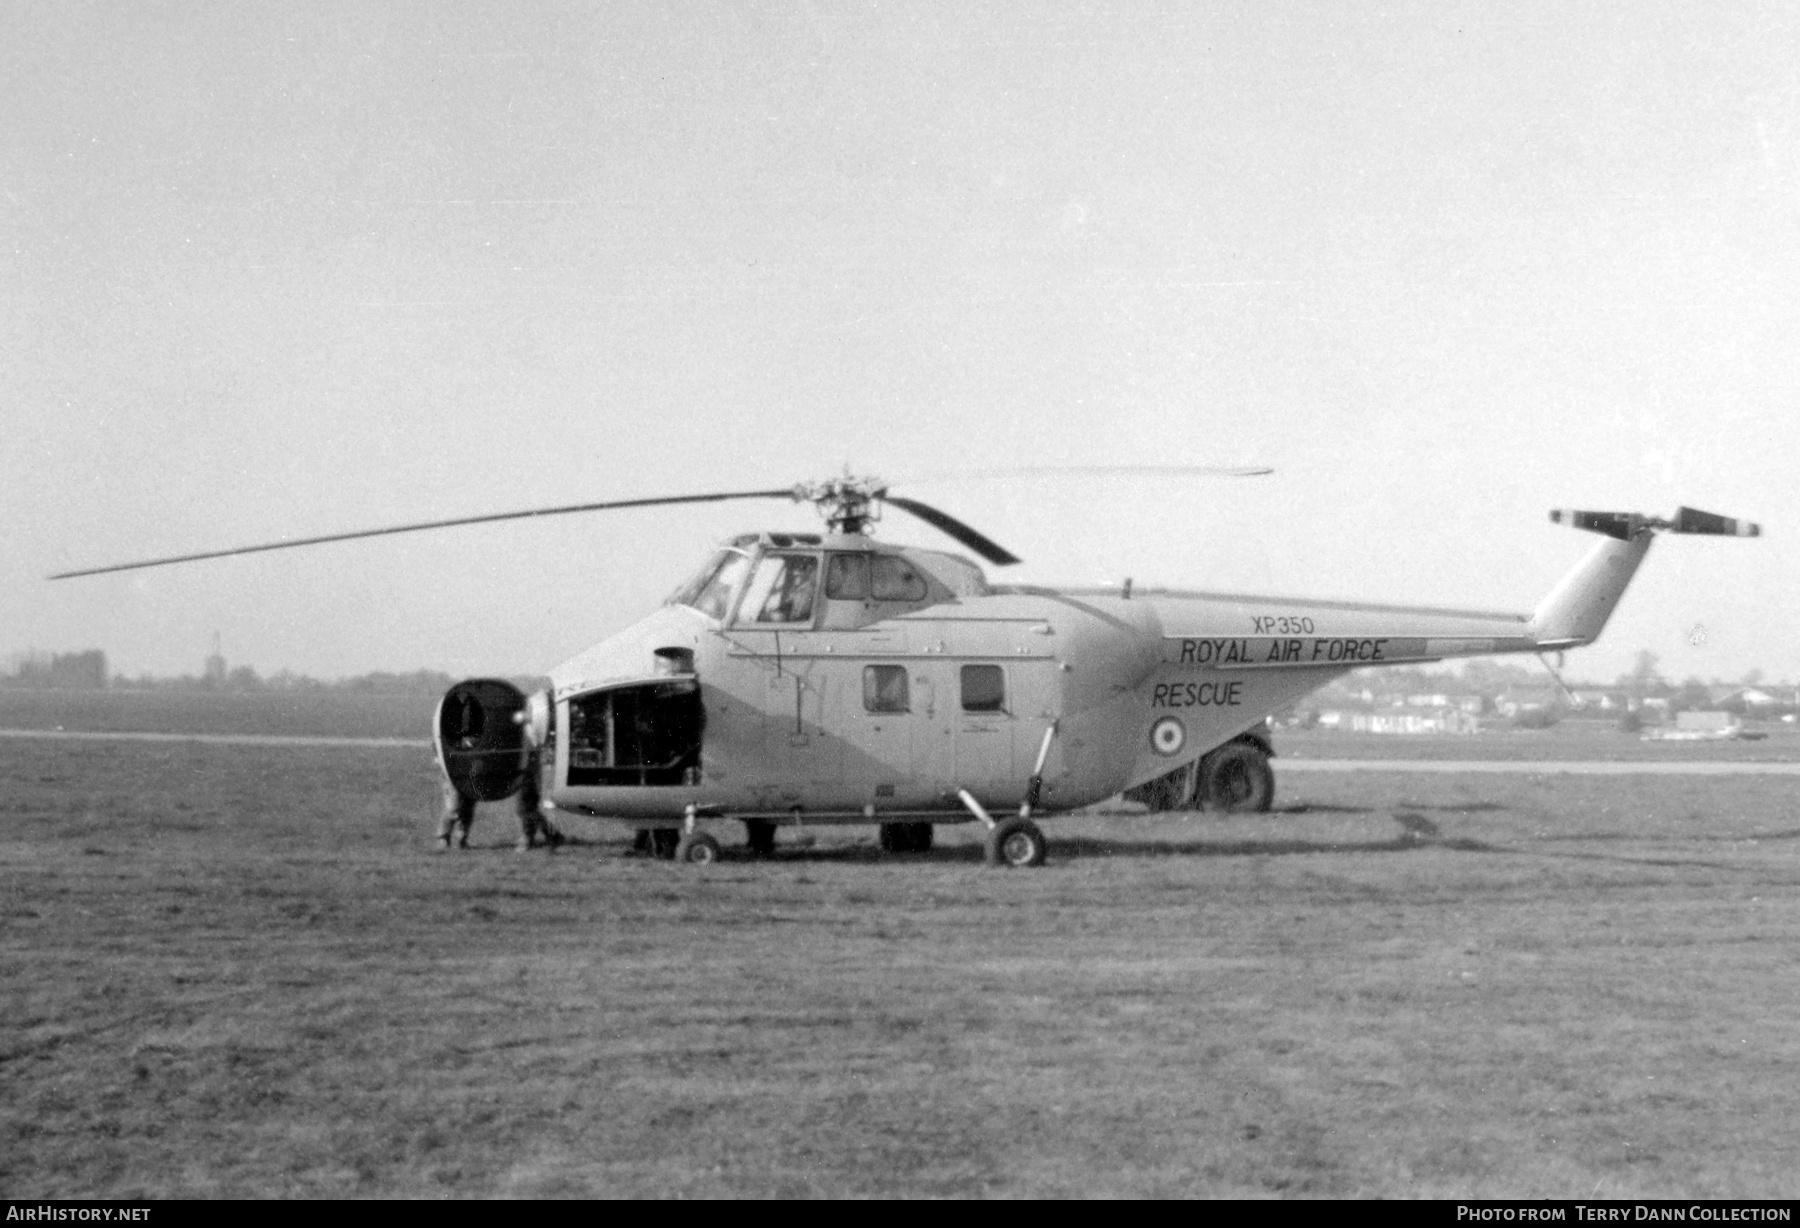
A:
x: 1627, y: 525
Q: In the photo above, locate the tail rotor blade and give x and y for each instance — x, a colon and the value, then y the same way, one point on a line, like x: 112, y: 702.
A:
x: 1692, y: 520
x: 1622, y: 525
x: 1627, y: 525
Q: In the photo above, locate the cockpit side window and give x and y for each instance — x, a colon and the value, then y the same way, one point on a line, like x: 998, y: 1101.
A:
x: 782, y: 590
x: 690, y: 589
x: 712, y: 596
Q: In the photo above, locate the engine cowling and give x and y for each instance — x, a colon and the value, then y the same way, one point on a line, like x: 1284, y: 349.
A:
x: 480, y: 738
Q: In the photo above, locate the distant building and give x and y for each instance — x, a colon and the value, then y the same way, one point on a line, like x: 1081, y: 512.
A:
x: 1512, y: 704
x: 1401, y: 720
x: 1753, y: 701
x: 1700, y: 727
x: 1598, y: 699
x: 215, y: 666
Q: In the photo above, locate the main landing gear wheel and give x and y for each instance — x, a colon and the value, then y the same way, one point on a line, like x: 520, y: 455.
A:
x: 1015, y: 842
x: 906, y: 837
x: 698, y: 848
x: 759, y: 834
x: 1237, y: 778
x: 664, y: 842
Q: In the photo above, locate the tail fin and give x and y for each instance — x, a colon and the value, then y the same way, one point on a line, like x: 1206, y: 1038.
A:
x: 1576, y: 610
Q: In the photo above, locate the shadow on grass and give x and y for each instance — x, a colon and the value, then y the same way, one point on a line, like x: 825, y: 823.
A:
x: 1668, y: 863
x: 1315, y: 808
x: 1418, y: 833
x: 1601, y: 837
x: 1404, y: 843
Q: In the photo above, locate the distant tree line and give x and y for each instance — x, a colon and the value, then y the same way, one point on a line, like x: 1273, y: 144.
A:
x: 87, y: 671
x: 72, y: 671
x: 243, y: 679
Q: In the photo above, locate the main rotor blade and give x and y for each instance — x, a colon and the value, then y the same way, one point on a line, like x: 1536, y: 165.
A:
x: 430, y: 524
x: 1075, y: 471
x: 950, y: 526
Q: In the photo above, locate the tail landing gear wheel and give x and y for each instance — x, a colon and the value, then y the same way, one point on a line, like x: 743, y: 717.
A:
x: 760, y: 835
x: 664, y: 841
x: 1237, y: 778
x: 698, y: 848
x: 1016, y: 842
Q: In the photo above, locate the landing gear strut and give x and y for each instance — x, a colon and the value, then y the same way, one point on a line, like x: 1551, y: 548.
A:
x: 1010, y: 842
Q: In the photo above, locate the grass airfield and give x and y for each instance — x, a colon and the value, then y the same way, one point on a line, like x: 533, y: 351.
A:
x: 232, y: 970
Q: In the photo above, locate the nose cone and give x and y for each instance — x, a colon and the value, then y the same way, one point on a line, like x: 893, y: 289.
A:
x: 666, y: 642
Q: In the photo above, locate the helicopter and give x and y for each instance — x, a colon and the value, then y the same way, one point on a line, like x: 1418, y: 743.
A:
x: 801, y: 679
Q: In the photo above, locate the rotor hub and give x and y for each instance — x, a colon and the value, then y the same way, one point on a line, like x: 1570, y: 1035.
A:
x: 848, y: 504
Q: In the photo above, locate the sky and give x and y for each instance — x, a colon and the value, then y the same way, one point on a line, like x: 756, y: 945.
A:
x: 278, y: 271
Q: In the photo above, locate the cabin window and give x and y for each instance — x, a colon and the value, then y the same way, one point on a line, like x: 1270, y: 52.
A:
x: 983, y: 688
x: 884, y: 689
x: 636, y: 735
x: 892, y: 578
x: 884, y: 577
x: 712, y: 595
x: 782, y: 590
x: 847, y: 577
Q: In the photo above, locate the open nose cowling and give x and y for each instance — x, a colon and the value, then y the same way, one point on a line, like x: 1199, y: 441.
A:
x: 481, y: 738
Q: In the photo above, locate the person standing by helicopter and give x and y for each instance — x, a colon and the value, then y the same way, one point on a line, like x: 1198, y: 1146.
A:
x: 456, y: 811
x: 533, y: 823
x: 457, y: 814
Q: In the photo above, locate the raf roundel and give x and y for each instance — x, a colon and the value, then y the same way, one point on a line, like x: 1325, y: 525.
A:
x: 1167, y: 736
